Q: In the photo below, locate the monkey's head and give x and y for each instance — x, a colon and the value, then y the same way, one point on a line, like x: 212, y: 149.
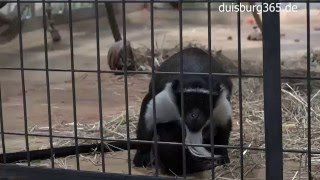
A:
x: 196, y: 98
x: 196, y: 107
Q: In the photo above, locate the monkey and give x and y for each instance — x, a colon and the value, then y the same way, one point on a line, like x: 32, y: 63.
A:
x: 2, y: 4
x: 116, y: 59
x: 196, y: 93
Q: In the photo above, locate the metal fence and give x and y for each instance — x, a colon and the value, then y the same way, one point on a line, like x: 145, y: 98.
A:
x: 272, y: 97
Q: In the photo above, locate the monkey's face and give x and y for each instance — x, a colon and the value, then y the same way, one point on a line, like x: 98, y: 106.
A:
x: 196, y: 105
x: 196, y: 109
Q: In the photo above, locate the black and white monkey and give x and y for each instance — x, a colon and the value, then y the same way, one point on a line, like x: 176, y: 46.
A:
x: 168, y: 118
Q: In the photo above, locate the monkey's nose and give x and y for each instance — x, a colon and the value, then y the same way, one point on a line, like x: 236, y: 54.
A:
x: 194, y: 116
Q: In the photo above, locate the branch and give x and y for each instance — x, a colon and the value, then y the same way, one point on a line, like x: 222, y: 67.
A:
x: 113, y: 22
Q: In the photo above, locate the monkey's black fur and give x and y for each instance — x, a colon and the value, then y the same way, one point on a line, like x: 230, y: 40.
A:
x: 170, y: 156
x: 196, y: 109
x: 2, y: 4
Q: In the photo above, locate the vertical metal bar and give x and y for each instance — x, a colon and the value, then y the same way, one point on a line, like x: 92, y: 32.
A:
x: 33, y: 10
x: 309, y: 90
x: 153, y: 89
x: 126, y: 81
x: 181, y: 82
x: 2, y: 129
x: 74, y: 102
x: 47, y: 80
x: 240, y: 91
x: 23, y: 83
x: 210, y: 87
x: 99, y: 84
x: 272, y: 94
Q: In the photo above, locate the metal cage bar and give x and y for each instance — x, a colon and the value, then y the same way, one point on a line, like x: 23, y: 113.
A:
x: 47, y: 81
x: 25, y: 115
x: 126, y: 82
x: 154, y: 89
x: 2, y: 130
x: 30, y: 173
x: 309, y: 91
x: 290, y: 150
x: 99, y: 85
x: 240, y: 92
x: 272, y: 94
x: 181, y: 88
x: 155, y: 1
x: 210, y: 95
x: 74, y: 98
x: 157, y: 72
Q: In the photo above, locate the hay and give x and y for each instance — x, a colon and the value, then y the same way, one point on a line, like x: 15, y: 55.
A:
x: 115, y: 128
x: 294, y: 116
x: 294, y: 126
x: 294, y: 110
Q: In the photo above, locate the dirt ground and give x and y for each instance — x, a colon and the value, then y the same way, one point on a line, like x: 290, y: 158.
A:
x: 113, y: 98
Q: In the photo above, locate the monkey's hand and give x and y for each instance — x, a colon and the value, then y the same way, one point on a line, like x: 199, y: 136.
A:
x: 142, y: 159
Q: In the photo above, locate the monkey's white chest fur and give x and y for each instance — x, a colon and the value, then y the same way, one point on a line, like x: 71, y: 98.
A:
x: 166, y: 109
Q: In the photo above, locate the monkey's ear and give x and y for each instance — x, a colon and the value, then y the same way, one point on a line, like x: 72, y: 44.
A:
x: 176, y: 86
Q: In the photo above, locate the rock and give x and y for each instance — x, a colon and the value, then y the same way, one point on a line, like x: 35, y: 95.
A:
x: 317, y: 28
x: 255, y: 36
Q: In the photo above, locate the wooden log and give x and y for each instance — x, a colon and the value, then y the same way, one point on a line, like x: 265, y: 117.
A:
x: 4, y: 19
x: 113, y: 22
x: 256, y: 17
